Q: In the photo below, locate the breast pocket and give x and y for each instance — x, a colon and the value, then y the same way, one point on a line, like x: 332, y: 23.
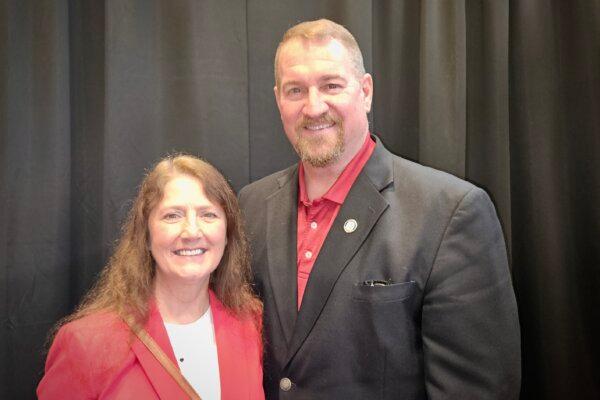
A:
x: 391, y: 292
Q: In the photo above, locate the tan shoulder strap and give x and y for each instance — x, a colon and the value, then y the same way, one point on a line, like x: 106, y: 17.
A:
x: 166, y: 363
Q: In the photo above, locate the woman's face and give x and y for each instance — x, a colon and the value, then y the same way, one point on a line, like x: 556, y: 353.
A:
x: 188, y: 233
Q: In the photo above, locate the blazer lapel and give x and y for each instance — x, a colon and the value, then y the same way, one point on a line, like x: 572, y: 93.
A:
x: 282, y: 219
x: 230, y: 350
x: 163, y: 383
x: 364, y: 204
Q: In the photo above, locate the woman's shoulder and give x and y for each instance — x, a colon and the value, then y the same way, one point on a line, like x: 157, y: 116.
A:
x: 100, y: 335
x: 86, y: 353
x: 96, y: 325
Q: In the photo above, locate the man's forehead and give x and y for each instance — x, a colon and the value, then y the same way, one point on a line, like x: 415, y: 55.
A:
x: 299, y: 46
x: 299, y: 58
x: 300, y: 53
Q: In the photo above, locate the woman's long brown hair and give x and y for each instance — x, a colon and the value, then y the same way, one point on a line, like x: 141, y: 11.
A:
x: 126, y: 284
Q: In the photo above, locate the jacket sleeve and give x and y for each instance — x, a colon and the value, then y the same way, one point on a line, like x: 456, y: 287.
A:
x: 470, y: 327
x: 64, y: 377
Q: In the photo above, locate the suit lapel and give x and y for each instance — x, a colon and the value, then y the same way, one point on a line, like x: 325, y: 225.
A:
x: 163, y: 383
x: 231, y: 353
x: 364, y: 204
x: 282, y: 220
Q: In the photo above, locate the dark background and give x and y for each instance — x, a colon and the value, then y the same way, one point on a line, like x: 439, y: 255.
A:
x: 503, y: 93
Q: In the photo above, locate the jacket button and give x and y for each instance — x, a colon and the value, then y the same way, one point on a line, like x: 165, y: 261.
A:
x: 285, y: 384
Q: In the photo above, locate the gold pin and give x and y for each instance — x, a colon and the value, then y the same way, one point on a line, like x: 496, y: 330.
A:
x: 350, y: 225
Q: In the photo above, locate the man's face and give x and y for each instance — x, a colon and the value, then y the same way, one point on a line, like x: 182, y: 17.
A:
x: 322, y: 100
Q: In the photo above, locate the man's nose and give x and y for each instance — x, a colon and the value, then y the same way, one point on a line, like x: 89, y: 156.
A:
x: 315, y: 105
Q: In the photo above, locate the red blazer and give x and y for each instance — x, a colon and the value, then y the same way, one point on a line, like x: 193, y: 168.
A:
x: 97, y: 357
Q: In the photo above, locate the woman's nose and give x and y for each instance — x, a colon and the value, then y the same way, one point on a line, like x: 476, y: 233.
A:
x: 192, y: 228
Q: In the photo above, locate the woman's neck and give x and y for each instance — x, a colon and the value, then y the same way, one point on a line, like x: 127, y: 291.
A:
x: 180, y: 304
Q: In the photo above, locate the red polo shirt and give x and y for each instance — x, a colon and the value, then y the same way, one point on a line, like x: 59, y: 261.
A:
x: 315, y: 218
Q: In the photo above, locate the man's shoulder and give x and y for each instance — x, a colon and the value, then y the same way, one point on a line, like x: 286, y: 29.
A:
x: 267, y: 185
x: 411, y: 176
x: 428, y: 188
x: 428, y: 178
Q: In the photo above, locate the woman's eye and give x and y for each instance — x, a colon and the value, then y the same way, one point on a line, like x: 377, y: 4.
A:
x: 210, y: 215
x: 171, y: 216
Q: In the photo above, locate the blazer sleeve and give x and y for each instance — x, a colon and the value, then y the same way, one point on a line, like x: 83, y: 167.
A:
x: 64, y: 377
x: 470, y: 327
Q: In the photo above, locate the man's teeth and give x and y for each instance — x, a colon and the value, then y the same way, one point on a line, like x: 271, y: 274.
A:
x: 194, y: 252
x: 317, y: 127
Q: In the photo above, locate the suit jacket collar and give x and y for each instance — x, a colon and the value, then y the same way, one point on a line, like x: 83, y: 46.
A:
x: 164, y: 385
x: 380, y: 167
x: 364, y: 204
x: 282, y: 220
x: 232, y: 339
x: 229, y: 350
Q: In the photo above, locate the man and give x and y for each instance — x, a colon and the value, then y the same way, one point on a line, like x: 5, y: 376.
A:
x: 381, y: 278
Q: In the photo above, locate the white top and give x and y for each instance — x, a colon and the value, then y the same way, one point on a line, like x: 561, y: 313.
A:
x: 195, y: 348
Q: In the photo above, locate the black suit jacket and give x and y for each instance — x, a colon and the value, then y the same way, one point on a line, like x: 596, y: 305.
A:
x: 444, y: 326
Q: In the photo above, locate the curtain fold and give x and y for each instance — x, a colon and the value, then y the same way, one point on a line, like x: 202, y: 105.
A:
x: 35, y: 184
x: 443, y: 86
x: 503, y: 93
x: 87, y: 23
x: 487, y: 154
x: 555, y: 192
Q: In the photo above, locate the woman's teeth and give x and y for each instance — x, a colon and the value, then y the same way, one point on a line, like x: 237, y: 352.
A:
x: 193, y: 252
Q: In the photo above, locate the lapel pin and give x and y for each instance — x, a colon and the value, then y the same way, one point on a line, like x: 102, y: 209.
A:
x: 350, y: 225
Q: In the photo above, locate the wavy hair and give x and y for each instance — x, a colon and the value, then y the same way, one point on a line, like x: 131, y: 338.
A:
x: 126, y: 284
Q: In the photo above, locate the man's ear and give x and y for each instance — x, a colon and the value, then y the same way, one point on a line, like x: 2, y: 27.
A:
x: 276, y: 91
x: 366, y: 84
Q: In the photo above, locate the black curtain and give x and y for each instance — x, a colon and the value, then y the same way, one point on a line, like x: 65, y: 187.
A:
x: 505, y: 94
x: 555, y: 194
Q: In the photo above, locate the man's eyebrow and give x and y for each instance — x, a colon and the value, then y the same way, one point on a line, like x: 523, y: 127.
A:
x: 290, y: 83
x: 330, y: 77
x: 324, y: 78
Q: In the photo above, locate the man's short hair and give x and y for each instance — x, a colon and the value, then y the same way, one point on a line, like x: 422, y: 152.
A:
x: 323, y: 30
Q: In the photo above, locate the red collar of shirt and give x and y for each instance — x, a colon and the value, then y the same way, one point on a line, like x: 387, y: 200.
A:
x: 339, y: 190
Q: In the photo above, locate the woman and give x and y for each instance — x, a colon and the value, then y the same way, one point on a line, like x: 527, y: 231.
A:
x: 180, y: 277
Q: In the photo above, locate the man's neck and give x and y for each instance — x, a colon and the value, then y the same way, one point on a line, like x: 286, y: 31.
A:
x: 318, y: 180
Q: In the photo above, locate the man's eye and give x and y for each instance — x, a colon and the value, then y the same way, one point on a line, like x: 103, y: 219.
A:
x: 333, y: 86
x: 294, y: 90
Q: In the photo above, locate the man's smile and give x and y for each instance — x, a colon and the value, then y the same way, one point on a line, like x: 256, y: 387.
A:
x: 318, y: 127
